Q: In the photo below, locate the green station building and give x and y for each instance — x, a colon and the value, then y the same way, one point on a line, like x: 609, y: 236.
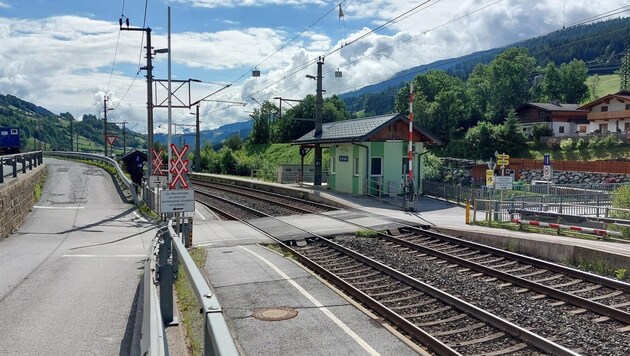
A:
x: 370, y: 156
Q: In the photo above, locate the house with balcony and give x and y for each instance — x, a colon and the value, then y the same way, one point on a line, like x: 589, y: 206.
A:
x: 610, y: 113
x: 564, y: 119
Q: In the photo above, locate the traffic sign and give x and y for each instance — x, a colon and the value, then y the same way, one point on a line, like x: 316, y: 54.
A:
x: 111, y: 139
x: 177, y: 201
x: 503, y: 159
x: 156, y: 160
x: 547, y: 172
x: 157, y: 181
x: 503, y: 182
x: 489, y: 178
x: 179, y: 166
x: 546, y: 159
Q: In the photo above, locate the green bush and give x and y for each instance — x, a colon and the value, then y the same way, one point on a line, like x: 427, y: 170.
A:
x: 540, y: 130
x: 594, y: 142
x: 610, y: 141
x: 580, y: 144
x: 566, y: 144
x: 621, y: 199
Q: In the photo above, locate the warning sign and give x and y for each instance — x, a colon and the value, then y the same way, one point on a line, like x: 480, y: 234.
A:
x: 111, y: 139
x: 179, y: 167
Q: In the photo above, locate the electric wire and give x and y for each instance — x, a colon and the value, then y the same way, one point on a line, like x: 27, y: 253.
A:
x: 600, y: 16
x: 146, y: 4
x: 289, y: 42
x: 111, y: 74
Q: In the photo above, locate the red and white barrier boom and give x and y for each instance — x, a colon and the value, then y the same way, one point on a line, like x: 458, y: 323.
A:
x: 585, y: 230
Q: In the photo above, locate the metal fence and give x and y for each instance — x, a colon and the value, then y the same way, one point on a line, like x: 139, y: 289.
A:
x: 25, y: 160
x: 94, y: 157
x: 164, y: 257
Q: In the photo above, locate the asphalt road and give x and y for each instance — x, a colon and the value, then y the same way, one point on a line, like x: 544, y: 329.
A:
x: 70, y: 274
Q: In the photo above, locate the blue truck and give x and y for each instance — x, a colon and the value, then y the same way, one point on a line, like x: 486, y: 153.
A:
x: 9, y: 140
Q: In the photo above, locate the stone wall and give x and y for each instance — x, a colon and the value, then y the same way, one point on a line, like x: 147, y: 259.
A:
x: 16, y: 199
x: 565, y: 177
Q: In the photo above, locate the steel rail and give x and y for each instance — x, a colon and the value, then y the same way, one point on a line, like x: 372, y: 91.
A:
x: 502, y: 324
x: 236, y: 188
x: 537, y: 287
x: 514, y: 330
x: 263, y: 199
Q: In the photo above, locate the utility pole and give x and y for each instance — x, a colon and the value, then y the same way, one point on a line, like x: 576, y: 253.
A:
x: 124, y: 135
x: 71, y: 137
x: 149, y: 69
x: 197, y: 141
x: 105, y: 123
x: 317, y: 180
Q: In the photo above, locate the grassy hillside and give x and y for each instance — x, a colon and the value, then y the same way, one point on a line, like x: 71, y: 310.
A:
x: 608, y: 84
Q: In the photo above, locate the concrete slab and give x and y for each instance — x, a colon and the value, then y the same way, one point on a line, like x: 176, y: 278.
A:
x: 249, y: 277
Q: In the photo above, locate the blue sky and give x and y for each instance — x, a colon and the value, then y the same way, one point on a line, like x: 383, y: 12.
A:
x: 60, y: 54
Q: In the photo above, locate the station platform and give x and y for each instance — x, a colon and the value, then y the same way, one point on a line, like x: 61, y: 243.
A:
x: 256, y: 285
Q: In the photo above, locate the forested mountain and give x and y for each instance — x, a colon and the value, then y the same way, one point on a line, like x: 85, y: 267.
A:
x: 600, y: 45
x: 40, y: 128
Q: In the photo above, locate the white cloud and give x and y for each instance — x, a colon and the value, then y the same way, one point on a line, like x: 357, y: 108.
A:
x: 4, y: 5
x: 236, y: 3
x: 64, y: 63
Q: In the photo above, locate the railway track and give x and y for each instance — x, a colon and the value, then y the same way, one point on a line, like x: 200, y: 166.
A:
x: 588, y: 292
x: 459, y: 297
x: 228, y: 191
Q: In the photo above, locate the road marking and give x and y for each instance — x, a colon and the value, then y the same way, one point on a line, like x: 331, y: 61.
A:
x: 201, y: 216
x: 316, y: 302
x: 105, y: 256
x: 57, y: 207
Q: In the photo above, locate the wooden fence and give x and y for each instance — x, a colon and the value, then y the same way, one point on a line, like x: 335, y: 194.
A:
x: 518, y: 164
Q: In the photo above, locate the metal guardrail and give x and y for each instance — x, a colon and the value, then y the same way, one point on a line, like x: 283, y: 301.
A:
x: 33, y: 158
x: 90, y: 156
x: 165, y: 255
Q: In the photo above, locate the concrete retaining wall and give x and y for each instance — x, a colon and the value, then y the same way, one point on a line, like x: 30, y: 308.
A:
x: 547, y: 250
x: 16, y: 199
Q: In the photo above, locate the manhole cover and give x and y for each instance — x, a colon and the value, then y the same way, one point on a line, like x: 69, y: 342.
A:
x: 274, y: 314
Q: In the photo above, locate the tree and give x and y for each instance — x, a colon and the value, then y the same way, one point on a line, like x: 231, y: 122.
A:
x: 228, y: 162
x: 624, y: 72
x: 552, y: 88
x: 510, y: 136
x: 261, y: 130
x: 234, y: 142
x: 477, y: 90
x: 593, y: 87
x: 481, y: 140
x: 573, y: 82
x: 509, y: 75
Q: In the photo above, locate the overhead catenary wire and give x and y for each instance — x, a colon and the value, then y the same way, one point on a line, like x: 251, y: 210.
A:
x: 513, y: 44
x: 144, y: 20
x: 111, y: 74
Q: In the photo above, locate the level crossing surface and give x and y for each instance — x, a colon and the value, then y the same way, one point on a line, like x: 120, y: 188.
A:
x: 71, y: 272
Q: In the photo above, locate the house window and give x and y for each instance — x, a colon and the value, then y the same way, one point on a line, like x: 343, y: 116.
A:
x: 627, y: 126
x: 604, y: 108
x: 355, y: 167
x: 332, y: 165
x: 582, y: 128
x: 376, y: 168
x: 561, y: 129
x: 603, y: 128
x: 627, y: 106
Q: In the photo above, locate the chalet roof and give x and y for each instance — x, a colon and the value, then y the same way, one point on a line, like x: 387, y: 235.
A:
x: 553, y: 107
x: 134, y: 153
x: 357, y: 130
x: 623, y: 96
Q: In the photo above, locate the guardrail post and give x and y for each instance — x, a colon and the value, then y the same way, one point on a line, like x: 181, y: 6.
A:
x: 24, y: 164
x: 30, y: 162
x: 14, y: 162
x: 166, y: 281
x: 1, y: 170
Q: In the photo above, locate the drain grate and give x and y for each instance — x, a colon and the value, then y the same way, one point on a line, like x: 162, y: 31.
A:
x: 274, y: 314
